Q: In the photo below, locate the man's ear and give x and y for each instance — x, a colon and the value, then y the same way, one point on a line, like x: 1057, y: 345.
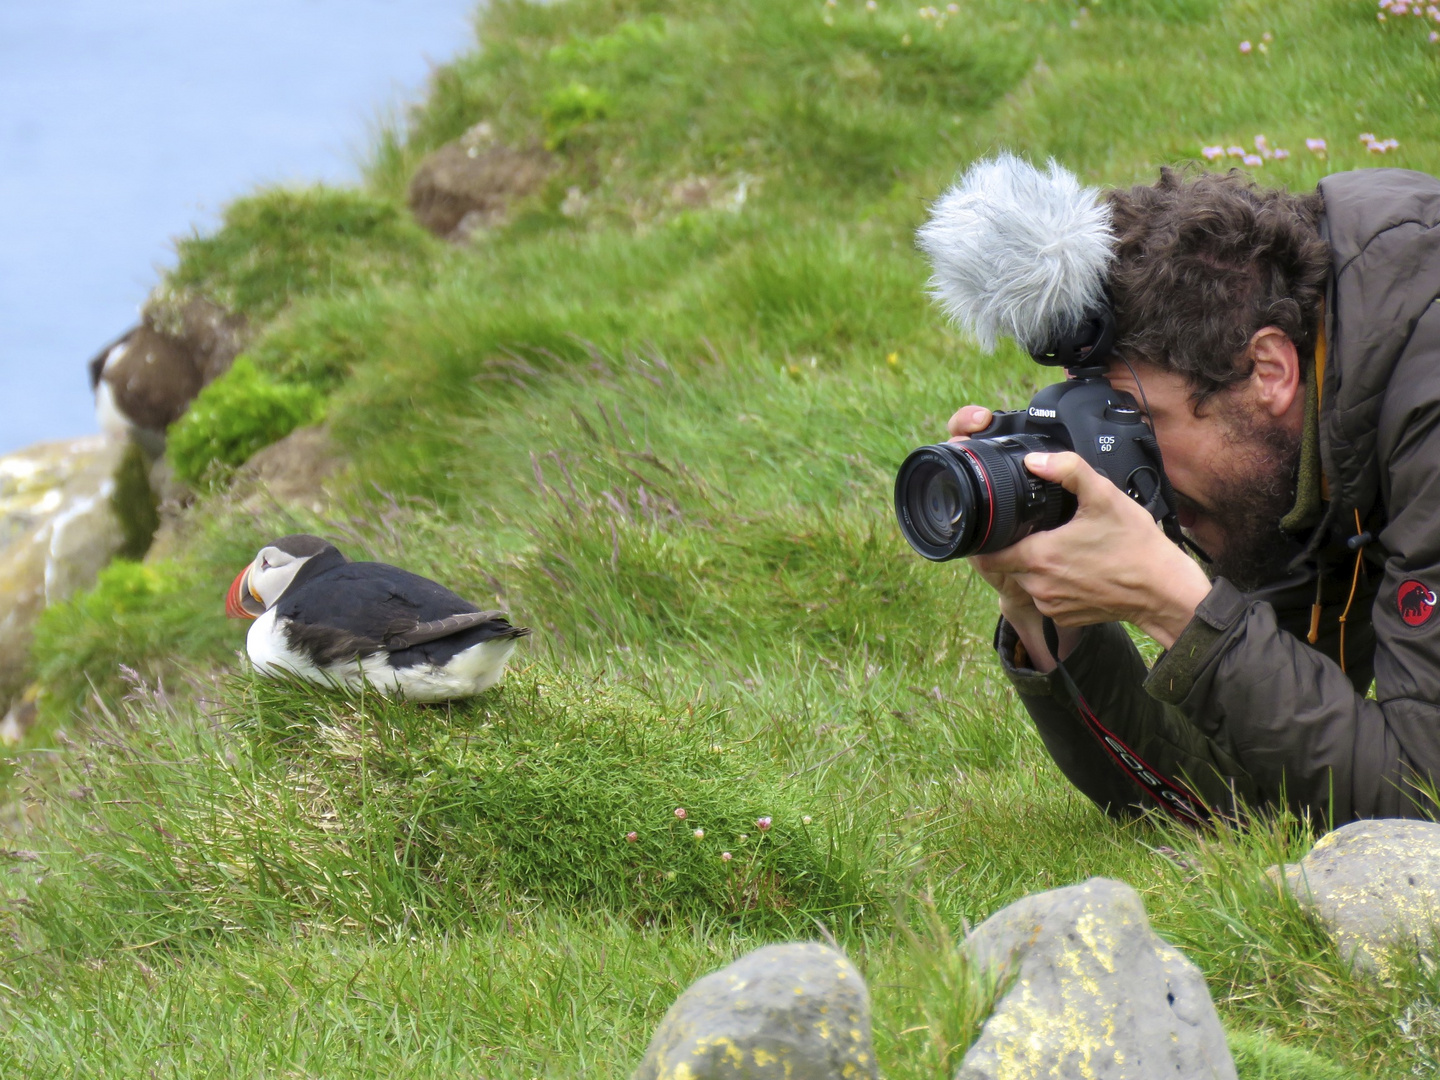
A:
x: 1275, y: 376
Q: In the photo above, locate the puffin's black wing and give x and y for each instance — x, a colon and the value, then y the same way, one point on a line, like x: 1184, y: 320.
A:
x: 360, y: 608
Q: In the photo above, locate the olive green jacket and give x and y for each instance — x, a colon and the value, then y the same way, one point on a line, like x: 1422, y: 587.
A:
x: 1241, y: 708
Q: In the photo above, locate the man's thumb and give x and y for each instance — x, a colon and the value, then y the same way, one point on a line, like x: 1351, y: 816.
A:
x: 1068, y: 469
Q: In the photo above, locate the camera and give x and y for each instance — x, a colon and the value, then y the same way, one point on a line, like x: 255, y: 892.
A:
x: 967, y: 498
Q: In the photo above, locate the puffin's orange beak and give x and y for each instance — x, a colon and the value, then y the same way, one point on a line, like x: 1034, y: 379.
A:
x: 241, y: 602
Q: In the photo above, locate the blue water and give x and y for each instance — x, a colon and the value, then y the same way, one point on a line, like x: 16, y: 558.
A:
x: 124, y: 123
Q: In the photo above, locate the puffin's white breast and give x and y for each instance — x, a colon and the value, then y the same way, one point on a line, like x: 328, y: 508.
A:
x: 468, y: 673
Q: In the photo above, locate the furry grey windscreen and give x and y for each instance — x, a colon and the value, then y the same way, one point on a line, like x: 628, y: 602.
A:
x: 1017, y: 252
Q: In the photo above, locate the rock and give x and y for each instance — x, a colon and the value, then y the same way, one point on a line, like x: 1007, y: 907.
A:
x: 797, y: 1012
x: 57, y: 530
x: 1093, y: 992
x: 1375, y: 886
x: 470, y: 184
x: 292, y: 471
x: 290, y: 474
x: 21, y: 716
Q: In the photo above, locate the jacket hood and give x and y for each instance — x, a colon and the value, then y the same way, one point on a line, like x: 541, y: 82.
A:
x: 1383, y: 228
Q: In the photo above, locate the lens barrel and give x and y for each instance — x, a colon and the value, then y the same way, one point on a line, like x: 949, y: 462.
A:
x: 954, y: 500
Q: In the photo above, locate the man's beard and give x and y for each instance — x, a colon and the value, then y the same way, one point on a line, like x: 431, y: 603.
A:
x: 1252, y: 499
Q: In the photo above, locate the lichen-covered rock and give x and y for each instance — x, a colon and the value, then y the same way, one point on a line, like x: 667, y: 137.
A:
x: 1092, y: 992
x: 784, y: 1012
x: 58, y: 528
x: 1375, y: 886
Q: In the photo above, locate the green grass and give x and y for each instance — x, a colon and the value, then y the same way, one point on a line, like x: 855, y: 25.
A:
x: 662, y: 433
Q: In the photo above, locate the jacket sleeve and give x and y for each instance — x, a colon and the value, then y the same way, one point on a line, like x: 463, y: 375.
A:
x: 1121, y: 747
x: 1290, y: 714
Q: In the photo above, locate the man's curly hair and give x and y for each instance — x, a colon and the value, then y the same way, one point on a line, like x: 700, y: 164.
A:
x: 1203, y: 262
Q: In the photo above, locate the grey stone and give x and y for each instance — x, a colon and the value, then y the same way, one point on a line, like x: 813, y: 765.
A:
x: 1375, y: 886
x: 784, y: 1012
x: 1092, y: 992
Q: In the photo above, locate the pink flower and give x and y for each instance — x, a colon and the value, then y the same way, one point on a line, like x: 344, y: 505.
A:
x: 632, y: 837
x: 1235, y: 151
x: 1367, y: 137
x: 680, y: 812
x: 699, y: 834
x: 1210, y: 153
x: 725, y: 855
x: 1434, y: 37
x: 1281, y: 153
x: 1267, y: 36
x: 1245, y: 46
x: 763, y: 823
x: 1316, y: 146
x: 1254, y: 161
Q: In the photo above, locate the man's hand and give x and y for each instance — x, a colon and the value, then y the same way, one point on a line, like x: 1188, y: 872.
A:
x: 1016, y: 605
x: 1110, y: 562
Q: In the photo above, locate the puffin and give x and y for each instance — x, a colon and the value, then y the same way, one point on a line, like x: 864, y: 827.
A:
x: 341, y: 623
x: 142, y: 381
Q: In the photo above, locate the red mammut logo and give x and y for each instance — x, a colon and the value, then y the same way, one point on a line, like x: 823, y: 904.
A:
x: 1416, y: 603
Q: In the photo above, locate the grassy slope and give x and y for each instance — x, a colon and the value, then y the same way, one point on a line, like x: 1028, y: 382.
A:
x: 663, y: 434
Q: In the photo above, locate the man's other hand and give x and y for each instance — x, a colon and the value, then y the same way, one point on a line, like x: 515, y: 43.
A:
x: 1110, y: 562
x: 968, y: 420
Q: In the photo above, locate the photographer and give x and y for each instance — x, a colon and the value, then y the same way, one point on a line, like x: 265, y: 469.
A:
x: 1286, y: 352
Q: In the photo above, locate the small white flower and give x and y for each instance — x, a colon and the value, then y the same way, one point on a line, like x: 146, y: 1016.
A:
x: 699, y: 834
x: 805, y: 820
x: 726, y: 856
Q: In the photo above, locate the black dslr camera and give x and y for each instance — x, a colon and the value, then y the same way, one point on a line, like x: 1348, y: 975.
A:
x: 968, y: 498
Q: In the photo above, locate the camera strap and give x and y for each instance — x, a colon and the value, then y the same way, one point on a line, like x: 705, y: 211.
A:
x: 1177, y: 801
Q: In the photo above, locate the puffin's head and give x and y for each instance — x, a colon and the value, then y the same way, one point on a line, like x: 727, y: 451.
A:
x: 256, y: 588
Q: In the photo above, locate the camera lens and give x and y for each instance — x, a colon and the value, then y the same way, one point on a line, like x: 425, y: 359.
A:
x: 942, y: 507
x: 938, y: 498
x: 954, y: 500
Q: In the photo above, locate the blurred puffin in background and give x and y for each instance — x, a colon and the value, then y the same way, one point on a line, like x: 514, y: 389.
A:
x: 335, y: 622
x: 142, y: 382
